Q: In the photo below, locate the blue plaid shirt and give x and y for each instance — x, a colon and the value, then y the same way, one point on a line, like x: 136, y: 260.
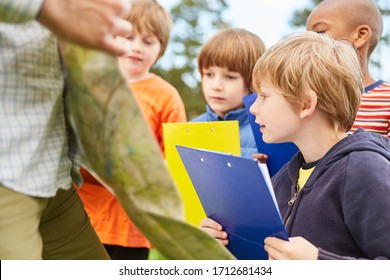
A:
x: 34, y: 147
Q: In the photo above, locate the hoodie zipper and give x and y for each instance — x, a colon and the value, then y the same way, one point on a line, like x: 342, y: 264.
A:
x: 292, y: 200
x: 291, y: 203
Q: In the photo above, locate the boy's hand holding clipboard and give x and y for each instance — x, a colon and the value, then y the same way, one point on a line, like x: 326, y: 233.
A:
x: 236, y: 192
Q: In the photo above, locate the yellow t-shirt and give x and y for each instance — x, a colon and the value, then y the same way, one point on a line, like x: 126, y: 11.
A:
x: 304, y: 175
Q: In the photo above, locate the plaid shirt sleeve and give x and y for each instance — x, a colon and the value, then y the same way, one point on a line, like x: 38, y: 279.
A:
x: 19, y: 11
x: 37, y: 152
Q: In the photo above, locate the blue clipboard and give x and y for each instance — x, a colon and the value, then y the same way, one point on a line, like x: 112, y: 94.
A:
x: 234, y: 192
x: 278, y: 154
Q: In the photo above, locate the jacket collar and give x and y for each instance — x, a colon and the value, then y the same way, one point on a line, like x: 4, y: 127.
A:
x: 239, y: 115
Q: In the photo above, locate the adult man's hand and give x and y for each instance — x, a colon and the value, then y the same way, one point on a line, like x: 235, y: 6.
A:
x: 89, y: 23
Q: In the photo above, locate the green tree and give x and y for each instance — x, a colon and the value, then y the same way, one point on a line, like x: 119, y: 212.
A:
x: 194, y: 22
x: 299, y: 18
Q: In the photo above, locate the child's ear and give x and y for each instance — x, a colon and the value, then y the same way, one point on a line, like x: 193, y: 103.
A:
x: 309, y: 104
x: 363, y: 35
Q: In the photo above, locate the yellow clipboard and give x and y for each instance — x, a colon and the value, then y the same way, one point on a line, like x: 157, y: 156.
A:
x: 219, y: 136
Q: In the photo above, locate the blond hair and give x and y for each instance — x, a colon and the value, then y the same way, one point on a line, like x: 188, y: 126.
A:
x: 310, y: 61
x: 149, y: 15
x: 233, y: 48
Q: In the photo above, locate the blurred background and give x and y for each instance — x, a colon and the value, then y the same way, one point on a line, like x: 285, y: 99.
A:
x: 196, y: 20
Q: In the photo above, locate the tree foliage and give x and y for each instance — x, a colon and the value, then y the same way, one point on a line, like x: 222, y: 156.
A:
x: 299, y: 18
x: 194, y: 22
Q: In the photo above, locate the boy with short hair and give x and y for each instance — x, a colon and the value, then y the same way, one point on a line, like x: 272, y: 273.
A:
x: 360, y: 22
x: 332, y: 191
x: 225, y: 64
x: 160, y: 102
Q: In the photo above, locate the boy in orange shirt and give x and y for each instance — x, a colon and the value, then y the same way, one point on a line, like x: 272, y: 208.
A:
x: 160, y: 102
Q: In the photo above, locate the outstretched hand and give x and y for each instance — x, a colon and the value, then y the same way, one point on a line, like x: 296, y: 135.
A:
x: 89, y: 23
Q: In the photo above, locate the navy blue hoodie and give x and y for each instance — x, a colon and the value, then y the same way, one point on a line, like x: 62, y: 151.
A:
x: 344, y: 207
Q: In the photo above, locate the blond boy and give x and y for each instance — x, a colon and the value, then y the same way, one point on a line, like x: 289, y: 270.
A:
x: 331, y: 193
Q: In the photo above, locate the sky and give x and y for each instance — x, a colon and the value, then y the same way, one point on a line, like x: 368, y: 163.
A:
x: 269, y: 19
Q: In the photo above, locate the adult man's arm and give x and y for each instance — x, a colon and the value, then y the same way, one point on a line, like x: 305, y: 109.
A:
x: 89, y: 23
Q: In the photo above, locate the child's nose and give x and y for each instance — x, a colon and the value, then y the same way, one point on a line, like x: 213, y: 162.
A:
x: 253, y: 107
x: 136, y: 46
x: 217, y: 83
